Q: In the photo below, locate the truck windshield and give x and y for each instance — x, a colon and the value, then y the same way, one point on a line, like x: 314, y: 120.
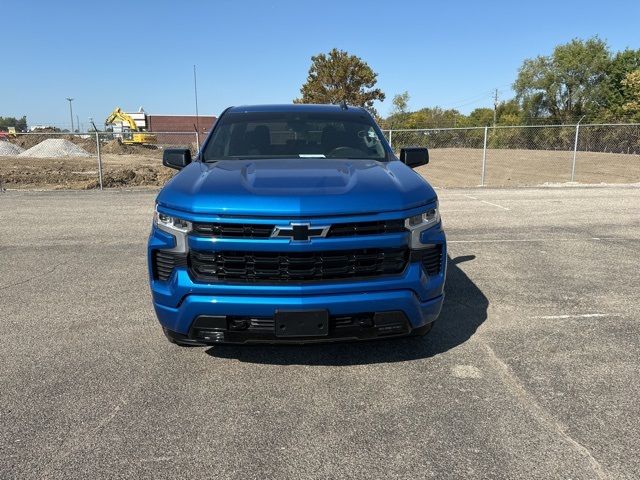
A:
x: 254, y: 135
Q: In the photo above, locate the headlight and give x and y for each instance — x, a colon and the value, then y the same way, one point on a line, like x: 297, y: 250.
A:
x: 167, y: 222
x: 419, y: 223
x: 424, y: 220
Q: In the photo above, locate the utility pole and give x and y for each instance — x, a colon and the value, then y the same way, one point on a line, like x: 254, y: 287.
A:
x: 195, y: 89
x: 495, y: 107
x: 71, y: 111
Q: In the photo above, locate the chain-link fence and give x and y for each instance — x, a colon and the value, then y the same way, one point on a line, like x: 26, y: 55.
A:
x: 455, y: 153
x: 459, y: 157
x: 88, y: 160
x: 527, y: 155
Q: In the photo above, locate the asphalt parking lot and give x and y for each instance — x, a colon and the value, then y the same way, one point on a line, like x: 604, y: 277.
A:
x: 533, y: 370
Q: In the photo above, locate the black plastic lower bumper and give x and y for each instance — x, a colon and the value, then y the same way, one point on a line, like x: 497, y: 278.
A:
x: 211, y: 330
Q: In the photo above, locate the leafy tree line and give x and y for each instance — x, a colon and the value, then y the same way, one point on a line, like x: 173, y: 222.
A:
x: 582, y: 79
x: 20, y: 124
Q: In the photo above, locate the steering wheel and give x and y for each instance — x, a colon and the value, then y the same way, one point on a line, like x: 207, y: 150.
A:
x: 345, y: 152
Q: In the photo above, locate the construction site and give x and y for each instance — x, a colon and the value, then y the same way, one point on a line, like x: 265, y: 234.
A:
x: 130, y: 145
x: 130, y: 154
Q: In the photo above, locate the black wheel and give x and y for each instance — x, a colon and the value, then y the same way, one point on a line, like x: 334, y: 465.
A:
x: 180, y: 340
x: 422, y: 331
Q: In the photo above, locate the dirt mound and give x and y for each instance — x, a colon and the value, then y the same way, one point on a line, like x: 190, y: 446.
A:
x: 82, y: 172
x: 8, y: 149
x: 50, y: 173
x: 116, y: 146
x: 88, y: 144
x: 129, y: 177
x: 54, y: 148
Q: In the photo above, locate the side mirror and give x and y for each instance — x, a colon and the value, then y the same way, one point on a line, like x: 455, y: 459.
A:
x: 414, y: 156
x: 177, y: 158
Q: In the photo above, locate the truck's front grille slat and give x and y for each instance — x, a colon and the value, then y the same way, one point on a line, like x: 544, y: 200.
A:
x: 366, y: 228
x: 242, y: 230
x: 232, y: 230
x: 297, y: 266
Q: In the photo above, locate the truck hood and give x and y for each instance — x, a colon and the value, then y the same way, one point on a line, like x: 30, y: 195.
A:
x: 295, y: 187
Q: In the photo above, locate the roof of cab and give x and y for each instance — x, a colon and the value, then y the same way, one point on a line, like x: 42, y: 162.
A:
x: 294, y: 107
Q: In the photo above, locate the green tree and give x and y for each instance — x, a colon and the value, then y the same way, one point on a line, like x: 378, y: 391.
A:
x: 339, y: 76
x: 631, y: 84
x: 615, y: 94
x: 480, y: 117
x: 20, y: 124
x: 566, y: 84
x: 509, y: 113
x: 435, y: 117
x: 399, y: 113
x: 400, y: 102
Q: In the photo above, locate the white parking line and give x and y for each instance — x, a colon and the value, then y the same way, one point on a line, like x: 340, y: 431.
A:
x: 550, y: 239
x: 495, y: 205
x: 464, y: 210
x: 508, y: 240
x: 488, y: 203
x: 578, y: 315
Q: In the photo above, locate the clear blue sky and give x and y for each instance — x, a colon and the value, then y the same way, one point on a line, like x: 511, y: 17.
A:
x: 136, y: 52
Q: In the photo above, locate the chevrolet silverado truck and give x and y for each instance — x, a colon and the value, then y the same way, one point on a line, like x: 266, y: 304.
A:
x: 296, y: 224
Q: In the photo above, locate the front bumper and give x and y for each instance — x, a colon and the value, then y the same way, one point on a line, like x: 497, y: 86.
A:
x: 357, y: 308
x: 357, y: 316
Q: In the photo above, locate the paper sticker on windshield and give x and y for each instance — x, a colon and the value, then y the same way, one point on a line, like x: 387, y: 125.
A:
x: 311, y: 155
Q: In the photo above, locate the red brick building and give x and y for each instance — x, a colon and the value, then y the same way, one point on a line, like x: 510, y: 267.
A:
x: 179, y: 123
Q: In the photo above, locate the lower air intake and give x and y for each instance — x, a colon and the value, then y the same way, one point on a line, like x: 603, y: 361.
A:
x: 164, y: 262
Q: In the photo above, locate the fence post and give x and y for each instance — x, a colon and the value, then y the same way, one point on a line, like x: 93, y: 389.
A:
x: 390, y: 144
x: 575, y: 150
x: 197, y: 142
x: 99, y: 159
x: 484, y: 156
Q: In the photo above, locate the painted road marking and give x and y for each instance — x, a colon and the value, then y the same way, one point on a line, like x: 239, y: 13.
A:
x: 578, y: 315
x: 488, y: 203
x: 550, y: 239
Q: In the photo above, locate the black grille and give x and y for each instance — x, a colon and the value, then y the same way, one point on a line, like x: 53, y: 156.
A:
x: 268, y: 324
x: 232, y: 230
x: 432, y: 259
x: 164, y: 262
x: 296, y: 266
x: 366, y: 228
x: 242, y: 230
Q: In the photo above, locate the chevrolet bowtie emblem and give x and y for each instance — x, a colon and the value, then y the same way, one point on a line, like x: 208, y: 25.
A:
x: 300, y: 232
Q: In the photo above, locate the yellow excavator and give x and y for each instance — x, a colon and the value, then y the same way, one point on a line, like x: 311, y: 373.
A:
x: 11, y: 132
x: 131, y: 133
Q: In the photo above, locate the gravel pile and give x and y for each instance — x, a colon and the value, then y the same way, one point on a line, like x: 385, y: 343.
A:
x: 8, y: 149
x: 55, y: 147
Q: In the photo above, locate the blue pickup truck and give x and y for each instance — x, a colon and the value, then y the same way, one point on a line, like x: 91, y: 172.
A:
x: 296, y: 224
